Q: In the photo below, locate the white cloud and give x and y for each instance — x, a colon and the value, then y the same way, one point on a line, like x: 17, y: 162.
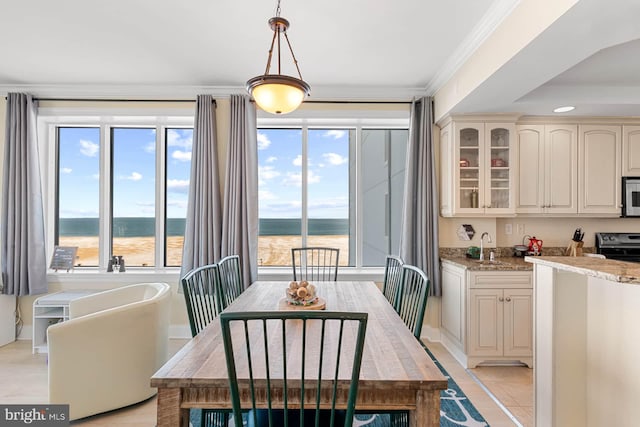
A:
x: 180, y: 204
x: 78, y: 213
x: 266, y: 195
x: 135, y: 176
x: 297, y: 161
x: 335, y: 133
x: 95, y: 176
x: 178, y: 185
x: 150, y: 147
x: 182, y: 156
x: 266, y: 173
x: 294, y: 179
x: 263, y: 141
x: 88, y: 148
x: 335, y: 159
x: 66, y: 170
x: 176, y: 139
x: 271, y: 159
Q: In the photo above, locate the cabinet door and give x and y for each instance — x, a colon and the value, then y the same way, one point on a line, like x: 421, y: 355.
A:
x: 453, y: 293
x: 447, y: 171
x: 561, y: 158
x: 485, y: 323
x: 518, y: 322
x: 469, y: 170
x: 530, y: 167
x: 599, y: 169
x: 631, y: 151
x: 499, y: 166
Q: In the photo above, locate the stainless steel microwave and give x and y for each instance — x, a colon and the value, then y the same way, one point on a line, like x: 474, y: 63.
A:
x: 630, y: 196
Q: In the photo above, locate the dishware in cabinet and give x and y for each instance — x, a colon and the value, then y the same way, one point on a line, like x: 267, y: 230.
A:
x: 477, y: 168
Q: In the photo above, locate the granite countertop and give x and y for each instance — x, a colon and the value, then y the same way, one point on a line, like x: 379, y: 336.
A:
x: 607, y: 269
x: 500, y: 264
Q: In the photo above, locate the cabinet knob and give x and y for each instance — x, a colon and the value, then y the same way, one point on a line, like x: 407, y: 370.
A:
x: 500, y: 299
x: 508, y: 299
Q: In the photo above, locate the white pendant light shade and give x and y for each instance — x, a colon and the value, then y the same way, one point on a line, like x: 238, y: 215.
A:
x: 278, y: 94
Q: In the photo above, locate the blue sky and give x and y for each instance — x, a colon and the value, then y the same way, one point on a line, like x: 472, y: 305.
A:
x: 280, y: 173
x: 133, y: 172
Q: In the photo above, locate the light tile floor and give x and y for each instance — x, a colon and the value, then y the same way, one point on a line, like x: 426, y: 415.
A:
x: 23, y: 379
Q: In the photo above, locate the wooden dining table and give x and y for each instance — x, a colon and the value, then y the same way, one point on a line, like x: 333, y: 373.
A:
x: 396, y: 372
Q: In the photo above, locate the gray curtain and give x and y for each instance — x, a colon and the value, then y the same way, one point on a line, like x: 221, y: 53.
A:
x: 24, y: 266
x: 203, y: 228
x: 240, y: 213
x: 419, y: 236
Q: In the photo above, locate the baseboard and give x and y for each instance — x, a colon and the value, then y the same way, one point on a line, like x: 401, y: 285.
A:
x: 454, y: 350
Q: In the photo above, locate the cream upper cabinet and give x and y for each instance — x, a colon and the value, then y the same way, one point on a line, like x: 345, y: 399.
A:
x: 547, y: 157
x: 599, y: 169
x: 476, y: 161
x: 630, y: 150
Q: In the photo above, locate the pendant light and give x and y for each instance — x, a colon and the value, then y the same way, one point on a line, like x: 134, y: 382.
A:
x: 278, y: 93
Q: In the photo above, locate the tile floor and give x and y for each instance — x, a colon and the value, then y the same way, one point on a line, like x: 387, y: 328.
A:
x: 23, y: 379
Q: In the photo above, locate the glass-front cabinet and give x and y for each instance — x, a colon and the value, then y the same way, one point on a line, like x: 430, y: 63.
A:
x: 477, y: 162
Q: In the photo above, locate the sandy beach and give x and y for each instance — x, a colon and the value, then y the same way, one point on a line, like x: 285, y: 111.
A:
x: 139, y: 251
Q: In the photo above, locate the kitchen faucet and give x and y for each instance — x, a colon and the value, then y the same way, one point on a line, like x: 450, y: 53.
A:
x: 481, y: 244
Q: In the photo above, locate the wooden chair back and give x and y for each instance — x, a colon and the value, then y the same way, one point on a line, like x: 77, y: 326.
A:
x: 201, y: 288
x: 412, y: 298
x: 290, y: 360
x: 231, y: 283
x: 315, y: 263
x: 392, y: 279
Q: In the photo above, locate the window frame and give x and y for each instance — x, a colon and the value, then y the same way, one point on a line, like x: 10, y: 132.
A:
x: 346, y: 119
x: 106, y: 119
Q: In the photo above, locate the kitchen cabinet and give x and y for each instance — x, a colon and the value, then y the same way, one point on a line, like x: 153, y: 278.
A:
x: 477, y: 161
x: 487, y: 316
x: 630, y: 150
x: 599, y: 169
x: 547, y: 165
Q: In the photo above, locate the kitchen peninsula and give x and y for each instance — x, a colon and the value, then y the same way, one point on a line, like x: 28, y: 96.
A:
x: 587, y: 341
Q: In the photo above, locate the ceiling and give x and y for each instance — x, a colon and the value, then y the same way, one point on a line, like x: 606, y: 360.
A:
x: 347, y: 50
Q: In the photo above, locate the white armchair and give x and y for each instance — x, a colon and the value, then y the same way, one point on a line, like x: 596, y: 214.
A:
x: 103, y: 357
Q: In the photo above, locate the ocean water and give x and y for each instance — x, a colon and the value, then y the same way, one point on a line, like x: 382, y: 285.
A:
x: 145, y: 227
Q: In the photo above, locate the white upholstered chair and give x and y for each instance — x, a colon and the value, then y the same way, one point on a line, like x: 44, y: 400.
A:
x: 103, y: 357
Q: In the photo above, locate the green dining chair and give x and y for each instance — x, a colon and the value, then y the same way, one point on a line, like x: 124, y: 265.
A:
x: 412, y: 298
x: 202, y: 295
x: 392, y: 278
x: 315, y: 263
x: 231, y: 283
x: 294, y: 357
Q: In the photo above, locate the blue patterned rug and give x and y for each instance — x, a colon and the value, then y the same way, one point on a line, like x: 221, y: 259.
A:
x: 455, y: 408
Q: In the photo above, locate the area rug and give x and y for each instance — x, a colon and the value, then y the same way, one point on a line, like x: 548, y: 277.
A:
x: 455, y: 408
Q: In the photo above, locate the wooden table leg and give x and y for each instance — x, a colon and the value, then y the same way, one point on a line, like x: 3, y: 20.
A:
x: 427, y: 412
x: 168, y: 414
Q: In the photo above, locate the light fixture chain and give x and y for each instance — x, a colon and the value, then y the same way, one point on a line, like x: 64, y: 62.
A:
x: 278, y: 9
x: 295, y: 61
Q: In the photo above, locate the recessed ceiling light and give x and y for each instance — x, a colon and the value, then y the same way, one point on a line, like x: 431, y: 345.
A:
x: 564, y: 109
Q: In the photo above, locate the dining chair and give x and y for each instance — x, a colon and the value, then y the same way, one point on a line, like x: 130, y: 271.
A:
x: 412, y: 298
x: 231, y: 284
x: 392, y: 278
x: 315, y: 263
x: 294, y: 358
x: 202, y: 294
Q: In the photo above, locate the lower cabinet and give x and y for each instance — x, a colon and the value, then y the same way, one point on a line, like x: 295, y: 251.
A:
x: 487, y: 316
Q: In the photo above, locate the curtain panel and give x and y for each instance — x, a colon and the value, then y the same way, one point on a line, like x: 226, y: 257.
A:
x: 419, y: 236
x: 23, y: 252
x: 240, y: 212
x: 203, y: 226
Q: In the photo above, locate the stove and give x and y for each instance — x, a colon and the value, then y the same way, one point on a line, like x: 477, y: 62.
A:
x: 620, y: 246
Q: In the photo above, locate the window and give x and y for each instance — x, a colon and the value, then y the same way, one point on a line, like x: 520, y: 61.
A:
x: 121, y: 189
x: 330, y: 186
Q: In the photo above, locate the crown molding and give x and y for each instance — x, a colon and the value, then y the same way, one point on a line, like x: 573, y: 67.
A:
x: 498, y: 11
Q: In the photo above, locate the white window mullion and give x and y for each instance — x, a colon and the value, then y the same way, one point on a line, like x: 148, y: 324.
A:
x: 161, y: 151
x: 359, y: 215
x: 106, y: 182
x: 304, y: 172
